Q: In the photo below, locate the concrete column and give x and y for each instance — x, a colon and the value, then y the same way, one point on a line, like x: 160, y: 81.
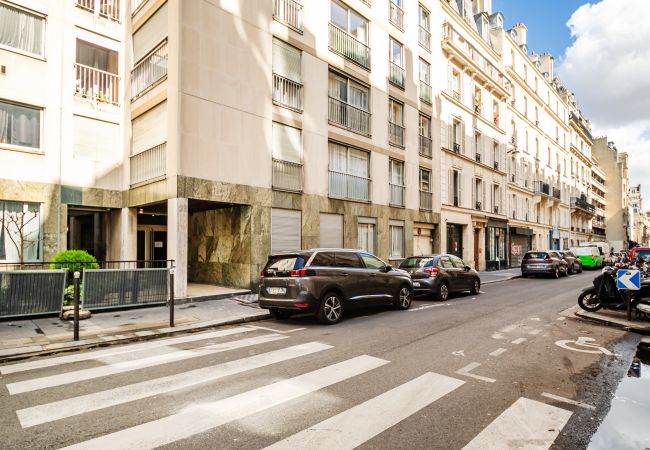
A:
x: 177, y: 218
x: 128, y: 227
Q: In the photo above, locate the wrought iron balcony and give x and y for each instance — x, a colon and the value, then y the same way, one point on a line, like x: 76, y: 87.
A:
x: 396, y: 75
x: 542, y: 188
x: 456, y: 147
x: 425, y: 92
x: 287, y: 176
x: 424, y: 37
x: 348, y: 46
x: 343, y: 185
x: 348, y: 116
x: 396, y: 15
x: 288, y: 12
x: 582, y: 204
x: 150, y: 70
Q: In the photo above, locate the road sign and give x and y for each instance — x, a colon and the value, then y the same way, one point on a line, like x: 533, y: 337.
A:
x: 628, y: 279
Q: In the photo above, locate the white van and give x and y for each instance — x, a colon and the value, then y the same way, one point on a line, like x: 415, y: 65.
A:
x: 603, y: 247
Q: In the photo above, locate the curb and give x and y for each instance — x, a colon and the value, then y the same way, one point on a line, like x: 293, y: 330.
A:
x: 501, y: 281
x: 623, y: 326
x: 20, y: 353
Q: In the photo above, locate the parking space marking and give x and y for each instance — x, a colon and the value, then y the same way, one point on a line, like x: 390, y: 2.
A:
x: 274, y: 330
x: 568, y: 400
x: 534, y: 332
x: 466, y: 372
x: 499, y: 351
x: 519, y: 340
x: 420, y: 308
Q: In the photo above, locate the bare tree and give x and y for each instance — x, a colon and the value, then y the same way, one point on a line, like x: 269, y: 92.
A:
x: 15, y: 225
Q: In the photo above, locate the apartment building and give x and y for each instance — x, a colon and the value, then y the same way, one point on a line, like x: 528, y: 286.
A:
x: 599, y: 200
x: 638, y: 218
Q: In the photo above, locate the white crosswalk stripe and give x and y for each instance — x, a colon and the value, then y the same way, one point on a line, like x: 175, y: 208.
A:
x: 113, y: 369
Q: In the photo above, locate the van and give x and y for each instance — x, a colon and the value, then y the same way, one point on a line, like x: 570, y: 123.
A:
x: 589, y: 256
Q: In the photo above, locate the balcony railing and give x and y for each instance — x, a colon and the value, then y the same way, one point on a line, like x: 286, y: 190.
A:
x: 396, y: 194
x: 424, y: 37
x: 542, y: 188
x: 288, y: 12
x: 396, y: 74
x: 343, y: 185
x: 456, y: 147
x: 395, y: 134
x: 287, y: 92
x: 426, y: 200
x: 396, y: 15
x: 150, y: 70
x: 97, y: 84
x: 287, y: 176
x: 425, y: 92
x: 348, y: 46
x: 104, y: 8
x: 348, y: 116
x: 425, y: 146
x: 477, y: 157
x: 580, y: 203
x: 149, y: 164
x: 557, y: 193
x: 478, y: 206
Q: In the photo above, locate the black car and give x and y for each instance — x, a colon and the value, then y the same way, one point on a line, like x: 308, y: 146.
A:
x: 573, y: 262
x: 328, y: 281
x: 440, y: 275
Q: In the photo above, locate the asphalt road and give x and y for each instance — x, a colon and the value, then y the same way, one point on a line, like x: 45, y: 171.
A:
x: 503, y: 369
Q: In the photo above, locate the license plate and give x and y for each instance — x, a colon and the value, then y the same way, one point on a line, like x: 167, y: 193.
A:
x: 538, y: 266
x: 416, y: 284
x: 276, y: 290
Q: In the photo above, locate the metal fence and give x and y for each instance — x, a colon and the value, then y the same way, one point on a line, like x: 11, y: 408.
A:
x: 74, y: 266
x: 31, y: 292
x: 123, y: 288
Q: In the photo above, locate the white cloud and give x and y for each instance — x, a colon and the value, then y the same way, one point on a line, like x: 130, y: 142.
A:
x: 608, y: 68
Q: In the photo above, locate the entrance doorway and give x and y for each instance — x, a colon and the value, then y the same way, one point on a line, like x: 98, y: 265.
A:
x: 152, y: 245
x: 455, y: 239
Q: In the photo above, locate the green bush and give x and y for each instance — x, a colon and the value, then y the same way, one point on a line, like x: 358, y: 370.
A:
x: 74, y: 260
x: 68, y: 294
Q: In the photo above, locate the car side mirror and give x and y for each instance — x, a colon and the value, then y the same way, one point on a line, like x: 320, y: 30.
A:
x: 467, y: 268
x: 388, y: 268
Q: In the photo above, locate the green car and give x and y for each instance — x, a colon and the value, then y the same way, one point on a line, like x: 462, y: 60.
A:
x: 589, y: 256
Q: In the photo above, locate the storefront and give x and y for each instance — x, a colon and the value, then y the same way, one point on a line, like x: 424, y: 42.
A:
x: 496, y: 257
x: 521, y: 240
x: 455, y: 239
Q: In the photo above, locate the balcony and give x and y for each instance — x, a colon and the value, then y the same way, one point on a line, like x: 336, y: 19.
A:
x: 287, y: 93
x: 425, y: 146
x: 557, y: 193
x: 348, y: 46
x: 456, y: 147
x: 540, y: 187
x: 477, y: 157
x: 496, y: 209
x: 353, y: 187
x: 581, y: 204
x: 478, y: 206
x: 396, y: 194
x: 150, y: 70
x: 396, y: 75
x: 455, y: 95
x: 287, y: 176
x: 496, y: 165
x: 149, y: 165
x: 396, y: 15
x: 395, y: 134
x: 424, y: 38
x: 110, y: 9
x: 425, y: 92
x: 348, y: 116
x: 426, y: 201
x: 97, y: 84
x: 288, y: 12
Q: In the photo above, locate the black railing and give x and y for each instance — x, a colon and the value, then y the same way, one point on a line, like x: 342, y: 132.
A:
x: 74, y: 266
x: 580, y: 203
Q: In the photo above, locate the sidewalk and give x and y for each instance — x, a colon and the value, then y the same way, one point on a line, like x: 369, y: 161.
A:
x: 500, y: 275
x: 22, y: 338
x: 617, y: 319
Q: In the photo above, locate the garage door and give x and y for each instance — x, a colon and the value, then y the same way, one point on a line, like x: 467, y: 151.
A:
x: 285, y: 230
x: 331, y: 230
x: 422, y: 244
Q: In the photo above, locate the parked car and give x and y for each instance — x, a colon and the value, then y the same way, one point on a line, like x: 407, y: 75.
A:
x: 572, y: 260
x: 589, y: 256
x: 643, y: 252
x: 329, y: 281
x: 543, y: 263
x: 440, y: 275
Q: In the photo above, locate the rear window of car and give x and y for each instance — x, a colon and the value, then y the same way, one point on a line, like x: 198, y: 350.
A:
x: 535, y: 255
x: 645, y: 254
x: 281, y: 266
x: 415, y: 263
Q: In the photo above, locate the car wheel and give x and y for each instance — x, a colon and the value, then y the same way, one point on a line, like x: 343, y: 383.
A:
x: 556, y: 273
x: 571, y: 270
x: 280, y: 314
x: 403, y: 298
x: 524, y: 275
x: 443, y: 291
x: 580, y: 269
x: 476, y: 287
x: 331, y: 309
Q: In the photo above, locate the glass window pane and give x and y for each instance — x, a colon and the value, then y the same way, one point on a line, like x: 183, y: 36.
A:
x: 358, y: 27
x: 286, y: 143
x: 21, y: 30
x: 323, y: 259
x: 396, y: 241
x: 371, y: 262
x: 12, y: 214
x: 358, y: 163
x: 396, y: 52
x: 348, y: 259
x: 339, y: 15
x: 20, y: 125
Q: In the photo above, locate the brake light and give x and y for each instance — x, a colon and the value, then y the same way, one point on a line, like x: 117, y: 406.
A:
x: 548, y: 259
x: 262, y: 274
x: 431, y: 271
x: 301, y: 305
x: 302, y: 273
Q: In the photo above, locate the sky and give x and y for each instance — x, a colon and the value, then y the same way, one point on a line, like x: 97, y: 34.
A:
x: 602, y: 55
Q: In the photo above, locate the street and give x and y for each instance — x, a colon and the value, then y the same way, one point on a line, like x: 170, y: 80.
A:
x: 509, y: 368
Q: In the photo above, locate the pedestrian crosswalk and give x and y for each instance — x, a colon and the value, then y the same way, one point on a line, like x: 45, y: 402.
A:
x: 525, y: 421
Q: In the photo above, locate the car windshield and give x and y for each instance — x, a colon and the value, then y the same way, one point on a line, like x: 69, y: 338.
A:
x: 584, y: 251
x: 535, y: 255
x: 281, y: 266
x: 645, y: 254
x: 415, y: 262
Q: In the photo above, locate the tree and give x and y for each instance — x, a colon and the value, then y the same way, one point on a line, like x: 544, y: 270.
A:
x: 15, y: 225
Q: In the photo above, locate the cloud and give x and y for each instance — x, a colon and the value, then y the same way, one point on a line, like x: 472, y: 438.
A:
x: 608, y: 68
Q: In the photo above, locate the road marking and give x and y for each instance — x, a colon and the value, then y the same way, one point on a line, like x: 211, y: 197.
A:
x: 75, y: 406
x: 583, y: 342
x: 498, y: 336
x: 466, y: 371
x: 519, y: 340
x: 126, y: 366
x: 87, y: 356
x: 534, y: 332
x: 568, y: 400
x: 274, y: 330
x: 509, y: 328
x: 536, y: 319
x: 419, y: 308
x: 202, y: 417
x: 560, y: 318
x: 458, y: 353
x: 353, y: 427
x: 525, y: 424
x: 498, y: 351
x: 295, y: 329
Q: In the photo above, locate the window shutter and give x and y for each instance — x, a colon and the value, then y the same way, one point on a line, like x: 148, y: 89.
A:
x: 286, y: 143
x: 150, y: 34
x: 285, y: 230
x: 449, y: 195
x: 450, y: 77
x: 331, y: 231
x: 460, y: 189
x: 450, y: 134
x: 286, y: 60
x: 96, y: 139
x: 462, y: 138
x: 149, y: 129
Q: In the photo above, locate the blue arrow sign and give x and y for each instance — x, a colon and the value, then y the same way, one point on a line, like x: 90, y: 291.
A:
x: 628, y: 279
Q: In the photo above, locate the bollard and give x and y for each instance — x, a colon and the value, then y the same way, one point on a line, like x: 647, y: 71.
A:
x: 171, y: 297
x: 628, y: 305
x: 76, y: 306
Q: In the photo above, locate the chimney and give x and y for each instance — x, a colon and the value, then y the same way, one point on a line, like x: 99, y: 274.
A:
x: 546, y: 60
x: 520, y: 37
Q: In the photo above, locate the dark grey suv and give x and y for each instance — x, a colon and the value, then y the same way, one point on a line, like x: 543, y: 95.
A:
x: 327, y: 281
x: 544, y: 263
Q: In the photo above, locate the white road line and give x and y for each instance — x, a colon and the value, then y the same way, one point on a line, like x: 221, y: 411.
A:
x: 519, y: 340
x: 525, y: 424
x: 419, y: 308
x: 498, y: 336
x: 295, y: 329
x: 534, y: 332
x: 353, y: 427
x: 560, y: 318
x: 126, y: 366
x: 274, y: 330
x: 466, y: 372
x: 92, y: 355
x: 568, y: 400
x: 69, y: 407
x: 498, y: 351
x: 202, y: 417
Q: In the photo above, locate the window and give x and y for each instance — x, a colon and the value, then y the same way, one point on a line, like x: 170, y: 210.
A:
x: 366, y: 234
x: 286, y: 143
x: 349, y: 103
x: 21, y: 30
x: 477, y: 146
x: 285, y: 230
x: 445, y: 263
x: 496, y: 198
x: 372, y: 263
x: 425, y: 136
x: 424, y: 21
x: 349, y: 21
x: 396, y: 73
x: 20, y: 125
x: 526, y: 107
x: 477, y: 194
x: 425, y: 189
x: 287, y: 87
x: 478, y: 100
x: 458, y: 263
x: 96, y: 72
x: 96, y: 140
x: 457, y: 133
x: 13, y: 217
x: 455, y: 85
x: 331, y: 230
x: 396, y: 13
x: 425, y: 81
x: 455, y: 188
x: 150, y: 34
x: 395, y: 123
x: 495, y: 112
x: 348, y: 259
x: 396, y: 182
x: 396, y: 235
x: 349, y: 172
x: 496, y: 157
x: 323, y: 259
